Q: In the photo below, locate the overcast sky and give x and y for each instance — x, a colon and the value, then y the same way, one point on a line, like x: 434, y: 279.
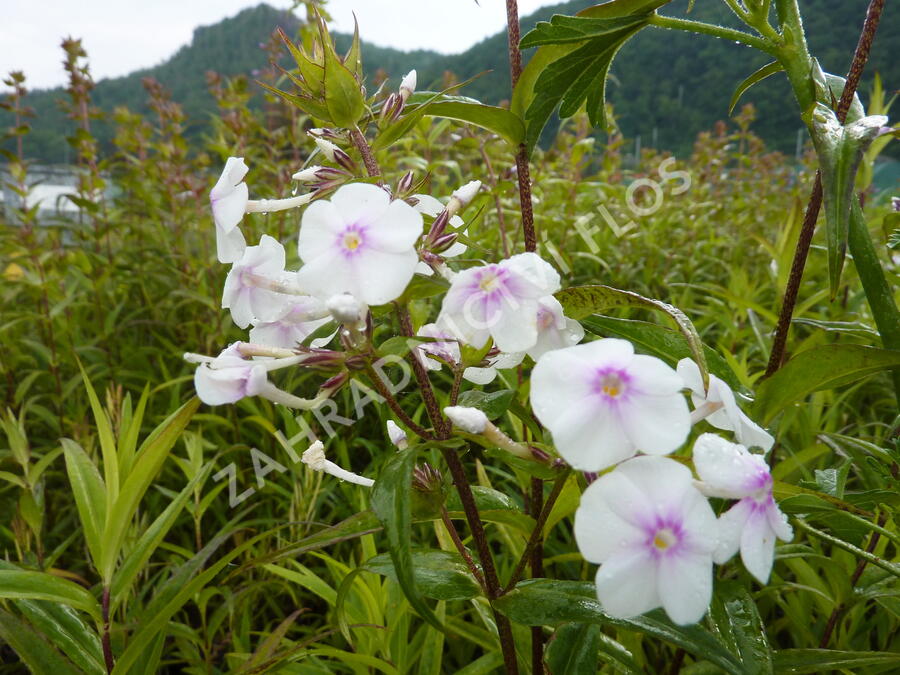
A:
x: 124, y: 35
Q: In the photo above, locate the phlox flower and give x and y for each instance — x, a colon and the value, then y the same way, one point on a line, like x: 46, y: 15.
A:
x: 445, y: 348
x: 555, y: 330
x: 653, y: 534
x: 250, y: 285
x: 360, y: 242
x: 499, y: 301
x: 603, y: 403
x: 299, y: 318
x: 725, y: 411
x: 728, y: 470
x: 229, y: 377
x: 228, y: 199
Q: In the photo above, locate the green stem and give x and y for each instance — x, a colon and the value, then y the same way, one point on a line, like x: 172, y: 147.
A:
x: 850, y: 548
x: 721, y: 32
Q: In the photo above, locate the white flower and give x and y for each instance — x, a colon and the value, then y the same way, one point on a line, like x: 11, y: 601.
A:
x: 229, y: 377
x: 466, y: 193
x: 728, y: 470
x: 444, y: 347
x: 248, y: 291
x: 228, y: 199
x: 499, y: 301
x: 396, y: 434
x: 603, y: 403
x: 360, y: 242
x: 653, y: 534
x: 299, y: 318
x: 555, y: 330
x: 726, y: 413
x: 471, y: 420
x: 486, y: 375
x: 408, y: 85
x: 314, y: 458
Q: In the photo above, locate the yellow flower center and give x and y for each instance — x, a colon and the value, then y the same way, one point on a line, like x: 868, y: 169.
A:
x: 612, y: 385
x: 664, y: 539
x: 488, y: 282
x: 352, y: 240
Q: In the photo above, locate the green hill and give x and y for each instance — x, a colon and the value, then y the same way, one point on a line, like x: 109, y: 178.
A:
x: 667, y: 85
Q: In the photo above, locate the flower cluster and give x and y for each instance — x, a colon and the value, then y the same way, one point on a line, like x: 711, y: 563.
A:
x: 647, y: 521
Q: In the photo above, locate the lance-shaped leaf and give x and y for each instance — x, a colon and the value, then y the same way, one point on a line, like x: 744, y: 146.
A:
x: 840, y: 149
x: 573, y: 62
x: 753, y: 78
x: 392, y: 503
x: 581, y: 301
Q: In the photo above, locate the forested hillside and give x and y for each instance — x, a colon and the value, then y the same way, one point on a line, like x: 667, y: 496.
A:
x: 692, y: 82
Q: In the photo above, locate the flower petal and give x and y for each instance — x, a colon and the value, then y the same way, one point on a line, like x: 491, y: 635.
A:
x: 684, y: 582
x: 727, y: 469
x: 381, y: 277
x: 230, y: 246
x: 536, y: 276
x: 320, y: 225
x: 228, y: 210
x: 590, y: 437
x: 730, y: 529
x: 758, y: 545
x: 599, y: 532
x: 627, y: 584
x: 361, y: 203
x: 656, y: 425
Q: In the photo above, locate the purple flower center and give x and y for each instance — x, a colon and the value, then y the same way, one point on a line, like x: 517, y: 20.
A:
x: 352, y: 239
x: 611, y: 383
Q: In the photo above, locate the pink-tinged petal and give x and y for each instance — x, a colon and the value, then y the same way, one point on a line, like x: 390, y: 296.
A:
x: 727, y: 469
x: 360, y: 203
x: 684, y: 581
x: 626, y: 584
x: 699, y: 522
x: 382, y: 277
x: 779, y: 522
x: 257, y: 380
x: 217, y: 387
x: 651, y: 375
x: 730, y: 529
x: 229, y: 209
x: 465, y: 284
x: 656, y: 425
x: 230, y: 246
x: 232, y: 174
x: 599, y: 532
x: 515, y: 328
x: 590, y: 442
x: 320, y: 225
x: 537, y: 277
x: 563, y: 378
x: 758, y: 545
x: 647, y: 489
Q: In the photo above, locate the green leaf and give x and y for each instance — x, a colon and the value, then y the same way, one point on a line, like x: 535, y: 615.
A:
x: 90, y: 496
x: 822, y: 660
x: 63, y: 627
x: 502, y: 122
x: 28, y: 585
x: 566, y: 71
x: 343, y: 97
x: 581, y: 301
x: 35, y: 652
x: 840, y: 150
x: 656, y: 340
x: 493, y: 404
x: 391, y: 502
x: 150, y: 539
x: 440, y: 575
x: 735, y: 615
x: 758, y: 76
x: 816, y: 369
x: 148, y: 461
x: 573, y: 649
x: 540, y: 602
x: 107, y: 442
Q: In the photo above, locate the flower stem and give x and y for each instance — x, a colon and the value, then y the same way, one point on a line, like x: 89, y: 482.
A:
x: 380, y: 387
x: 107, y: 645
x: 537, y: 532
x: 492, y: 581
x: 789, y: 14
x: 365, y: 152
x: 454, y: 535
x: 523, y: 171
x: 441, y: 425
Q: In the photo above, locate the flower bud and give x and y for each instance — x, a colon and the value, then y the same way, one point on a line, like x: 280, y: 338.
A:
x: 396, y: 434
x: 406, y: 183
x: 408, y: 85
x: 444, y: 241
x: 464, y: 195
x: 308, y: 175
x: 895, y: 203
x: 345, y: 308
x: 390, y: 109
x: 471, y: 420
